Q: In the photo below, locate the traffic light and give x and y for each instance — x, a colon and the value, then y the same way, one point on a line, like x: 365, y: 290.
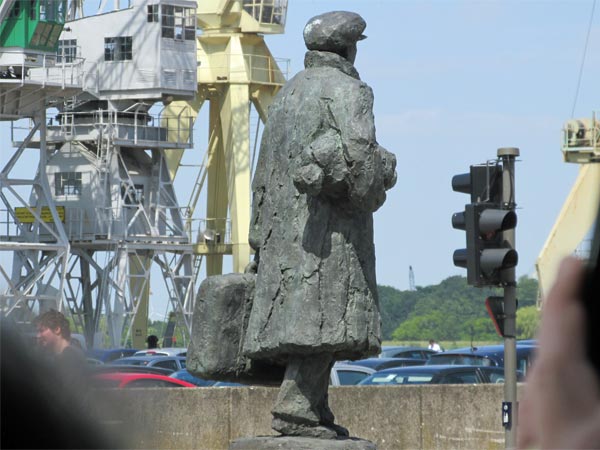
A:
x: 484, y: 220
x: 495, y: 309
x: 483, y: 183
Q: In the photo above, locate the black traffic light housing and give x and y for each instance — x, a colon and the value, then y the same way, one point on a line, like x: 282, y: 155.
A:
x: 483, y: 183
x: 495, y: 308
x: 487, y: 254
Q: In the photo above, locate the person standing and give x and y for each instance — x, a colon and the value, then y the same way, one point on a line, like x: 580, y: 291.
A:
x: 54, y: 335
x: 152, y: 341
x: 434, y: 346
x: 54, y: 339
x: 41, y: 393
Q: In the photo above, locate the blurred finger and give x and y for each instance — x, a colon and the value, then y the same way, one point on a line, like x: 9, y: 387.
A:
x: 527, y: 431
x: 562, y: 332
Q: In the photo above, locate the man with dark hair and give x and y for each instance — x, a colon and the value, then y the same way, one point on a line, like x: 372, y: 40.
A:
x: 52, y: 396
x: 54, y: 336
x: 53, y: 331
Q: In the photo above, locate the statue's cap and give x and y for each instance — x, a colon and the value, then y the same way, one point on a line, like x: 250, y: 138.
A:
x: 334, y: 31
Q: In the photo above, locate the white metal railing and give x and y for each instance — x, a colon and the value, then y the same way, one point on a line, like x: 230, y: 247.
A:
x: 19, y: 129
x: 104, y: 223
x: 13, y: 230
x: 267, y: 69
x: 582, y: 133
x: 42, y: 68
x: 63, y: 73
x: 127, y: 222
x: 8, y: 227
x: 135, y: 127
x: 217, y: 231
x: 258, y: 68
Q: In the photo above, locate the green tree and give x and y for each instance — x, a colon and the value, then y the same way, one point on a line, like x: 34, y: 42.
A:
x: 528, y: 320
x: 527, y: 291
x: 450, y: 310
x: 395, y: 306
x: 479, y: 329
x: 156, y: 327
x: 421, y: 327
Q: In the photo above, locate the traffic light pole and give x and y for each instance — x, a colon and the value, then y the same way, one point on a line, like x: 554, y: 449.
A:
x: 490, y: 258
x: 509, y: 406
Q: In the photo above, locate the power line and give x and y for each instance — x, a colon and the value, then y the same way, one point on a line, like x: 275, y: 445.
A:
x: 587, y: 39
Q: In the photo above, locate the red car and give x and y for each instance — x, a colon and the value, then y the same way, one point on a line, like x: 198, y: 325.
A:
x: 136, y: 380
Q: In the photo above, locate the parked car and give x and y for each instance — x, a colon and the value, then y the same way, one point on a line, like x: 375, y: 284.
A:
x: 167, y: 351
x: 527, y: 342
x: 172, y: 363
x: 385, y: 363
x: 438, y: 374
x: 343, y: 374
x: 184, y: 375
x: 127, y: 368
x: 136, y: 380
x: 348, y: 373
x: 488, y: 355
x: 93, y: 362
x: 399, y: 351
x: 107, y: 355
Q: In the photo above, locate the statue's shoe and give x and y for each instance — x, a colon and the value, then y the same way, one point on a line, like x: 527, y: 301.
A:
x: 287, y: 428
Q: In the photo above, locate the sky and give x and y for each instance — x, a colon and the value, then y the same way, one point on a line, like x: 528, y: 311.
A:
x: 454, y: 80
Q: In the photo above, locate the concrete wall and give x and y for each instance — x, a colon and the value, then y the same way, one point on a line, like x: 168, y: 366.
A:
x: 407, y: 417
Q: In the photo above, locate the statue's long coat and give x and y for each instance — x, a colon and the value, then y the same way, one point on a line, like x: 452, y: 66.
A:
x: 320, y: 175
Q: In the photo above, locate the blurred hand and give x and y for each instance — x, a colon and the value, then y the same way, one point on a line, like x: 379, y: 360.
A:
x: 561, y: 400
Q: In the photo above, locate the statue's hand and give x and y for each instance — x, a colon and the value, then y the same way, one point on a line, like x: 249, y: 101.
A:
x: 388, y: 162
x: 308, y: 179
x: 322, y: 168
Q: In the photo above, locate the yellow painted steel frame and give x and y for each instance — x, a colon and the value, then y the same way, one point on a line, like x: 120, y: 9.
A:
x: 234, y: 69
x: 139, y: 288
x: 574, y: 221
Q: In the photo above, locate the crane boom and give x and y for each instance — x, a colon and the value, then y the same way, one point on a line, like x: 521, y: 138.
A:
x: 581, y: 145
x: 573, y: 223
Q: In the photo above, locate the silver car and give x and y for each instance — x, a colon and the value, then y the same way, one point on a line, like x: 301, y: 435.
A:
x: 172, y: 363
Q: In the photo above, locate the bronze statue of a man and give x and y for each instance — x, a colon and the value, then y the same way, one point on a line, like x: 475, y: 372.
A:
x: 320, y: 176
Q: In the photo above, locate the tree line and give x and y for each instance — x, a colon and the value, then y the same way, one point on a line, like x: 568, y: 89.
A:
x: 451, y: 311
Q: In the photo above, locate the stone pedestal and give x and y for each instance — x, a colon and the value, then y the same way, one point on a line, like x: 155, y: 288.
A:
x: 300, y: 443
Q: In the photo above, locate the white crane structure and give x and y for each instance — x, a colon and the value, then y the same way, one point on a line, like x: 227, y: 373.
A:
x: 28, y: 35
x: 581, y: 145
x: 106, y: 176
x: 101, y: 209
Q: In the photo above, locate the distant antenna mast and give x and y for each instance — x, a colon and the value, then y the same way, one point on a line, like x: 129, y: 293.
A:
x: 411, y: 279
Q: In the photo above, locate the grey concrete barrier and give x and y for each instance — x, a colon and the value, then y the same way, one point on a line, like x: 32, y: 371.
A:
x: 394, y: 417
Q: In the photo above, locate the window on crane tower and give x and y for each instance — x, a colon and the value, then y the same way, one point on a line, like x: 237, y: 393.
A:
x: 152, y: 13
x: 267, y: 11
x: 67, y: 50
x: 51, y: 11
x: 118, y: 48
x: 16, y: 10
x: 67, y: 184
x: 178, y: 23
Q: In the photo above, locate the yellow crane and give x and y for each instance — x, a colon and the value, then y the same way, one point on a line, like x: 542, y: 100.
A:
x: 580, y: 144
x: 235, y: 70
